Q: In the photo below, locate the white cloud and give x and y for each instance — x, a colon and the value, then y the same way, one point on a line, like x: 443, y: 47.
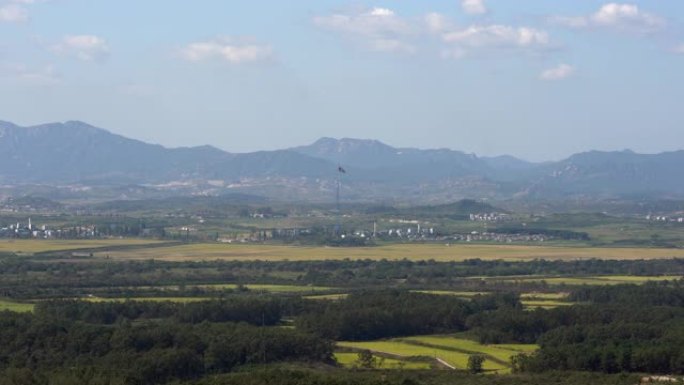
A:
x: 436, y: 22
x: 615, y: 16
x: 498, y: 36
x: 45, y: 76
x: 13, y: 13
x: 679, y: 49
x: 473, y: 7
x: 560, y: 72
x: 373, y: 22
x: 226, y: 49
x: 380, y: 29
x: 84, y: 47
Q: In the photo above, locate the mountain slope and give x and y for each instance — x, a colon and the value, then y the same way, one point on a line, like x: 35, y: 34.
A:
x: 61, y: 154
x: 614, y: 174
x: 77, y: 152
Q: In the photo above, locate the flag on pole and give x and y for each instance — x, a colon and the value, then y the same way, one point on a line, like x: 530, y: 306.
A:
x: 340, y: 169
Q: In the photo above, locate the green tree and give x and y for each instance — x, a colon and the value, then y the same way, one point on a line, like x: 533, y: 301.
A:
x: 366, y: 360
x: 475, y: 363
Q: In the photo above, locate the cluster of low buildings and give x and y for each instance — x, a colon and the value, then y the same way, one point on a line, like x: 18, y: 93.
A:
x: 29, y: 230
x: 490, y: 217
x: 476, y: 236
x: 664, y: 218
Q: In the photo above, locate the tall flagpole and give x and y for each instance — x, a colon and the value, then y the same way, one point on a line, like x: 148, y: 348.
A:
x: 340, y: 171
x: 337, y: 201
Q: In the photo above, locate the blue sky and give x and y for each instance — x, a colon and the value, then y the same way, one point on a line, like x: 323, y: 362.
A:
x: 538, y: 79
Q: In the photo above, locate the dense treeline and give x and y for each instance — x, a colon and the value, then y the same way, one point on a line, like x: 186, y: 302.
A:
x: 150, y: 352
x: 384, y: 314
x: 290, y: 376
x: 43, y: 278
x: 260, y: 311
x: 626, y: 328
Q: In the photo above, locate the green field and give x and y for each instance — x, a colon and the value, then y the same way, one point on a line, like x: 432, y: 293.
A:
x: 16, y: 306
x: 437, y: 252
x: 452, y: 350
x: 500, y: 353
x: 349, y: 360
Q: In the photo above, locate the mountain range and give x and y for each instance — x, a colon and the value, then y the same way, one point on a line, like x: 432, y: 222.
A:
x: 82, y: 158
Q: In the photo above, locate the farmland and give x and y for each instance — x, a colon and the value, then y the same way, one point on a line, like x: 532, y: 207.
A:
x: 13, y: 306
x: 450, y: 349
x: 31, y: 246
x: 415, y: 252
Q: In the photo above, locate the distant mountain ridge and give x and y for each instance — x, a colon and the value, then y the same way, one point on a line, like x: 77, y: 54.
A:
x: 77, y: 153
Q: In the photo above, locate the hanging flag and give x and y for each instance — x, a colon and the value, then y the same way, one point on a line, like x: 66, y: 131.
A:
x: 340, y: 169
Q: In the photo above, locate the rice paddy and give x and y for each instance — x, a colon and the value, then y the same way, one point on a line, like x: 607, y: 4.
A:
x: 451, y: 350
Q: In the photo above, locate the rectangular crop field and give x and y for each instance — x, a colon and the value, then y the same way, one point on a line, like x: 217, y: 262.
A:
x: 16, y: 306
x: 415, y: 252
x: 30, y: 246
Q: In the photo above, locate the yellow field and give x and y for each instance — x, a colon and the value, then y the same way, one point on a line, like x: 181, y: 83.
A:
x: 545, y: 304
x: 213, y: 251
x: 29, y: 246
x: 15, y: 306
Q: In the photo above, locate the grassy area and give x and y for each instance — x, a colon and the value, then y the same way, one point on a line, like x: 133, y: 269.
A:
x: 529, y: 300
x: 544, y: 296
x: 438, y: 252
x: 329, y: 297
x: 16, y: 306
x: 349, y: 360
x: 30, y: 246
x: 150, y: 299
x: 452, y: 350
x: 597, y: 280
x: 497, y: 352
x: 269, y: 288
x: 545, y: 304
x: 460, y: 294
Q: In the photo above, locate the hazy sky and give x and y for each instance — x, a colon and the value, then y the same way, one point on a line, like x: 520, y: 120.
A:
x: 539, y: 79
